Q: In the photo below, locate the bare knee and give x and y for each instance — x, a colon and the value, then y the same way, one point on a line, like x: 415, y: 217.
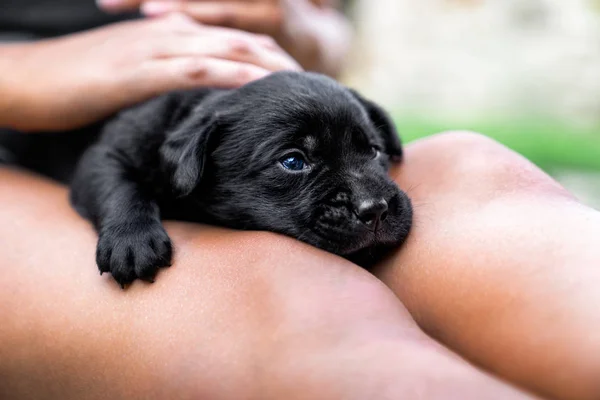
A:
x: 466, y: 163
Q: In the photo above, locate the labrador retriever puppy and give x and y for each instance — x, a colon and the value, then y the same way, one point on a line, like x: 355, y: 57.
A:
x: 292, y: 153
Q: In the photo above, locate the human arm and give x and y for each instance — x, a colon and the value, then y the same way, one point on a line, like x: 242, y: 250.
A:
x: 72, y: 81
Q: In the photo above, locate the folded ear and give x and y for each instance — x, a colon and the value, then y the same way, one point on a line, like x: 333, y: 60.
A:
x: 384, y: 125
x: 183, y: 154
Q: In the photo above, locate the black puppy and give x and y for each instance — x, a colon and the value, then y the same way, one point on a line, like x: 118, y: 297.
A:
x: 293, y: 153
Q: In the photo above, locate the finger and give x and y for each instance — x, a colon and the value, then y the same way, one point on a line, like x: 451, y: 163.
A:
x: 262, y: 39
x: 118, y: 5
x: 161, y: 76
x: 233, y: 46
x: 129, y: 5
x: 263, y: 17
x: 178, y: 23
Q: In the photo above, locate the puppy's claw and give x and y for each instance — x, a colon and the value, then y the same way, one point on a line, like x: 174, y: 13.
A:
x: 134, y: 253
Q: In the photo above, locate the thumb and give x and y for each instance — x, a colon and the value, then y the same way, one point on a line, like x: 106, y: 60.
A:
x: 118, y: 5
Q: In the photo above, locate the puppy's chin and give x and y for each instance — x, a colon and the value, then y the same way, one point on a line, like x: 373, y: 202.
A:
x: 347, y: 245
x: 347, y: 236
x: 357, y: 239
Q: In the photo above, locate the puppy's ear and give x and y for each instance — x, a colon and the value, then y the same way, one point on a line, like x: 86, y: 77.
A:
x: 384, y: 125
x: 183, y: 154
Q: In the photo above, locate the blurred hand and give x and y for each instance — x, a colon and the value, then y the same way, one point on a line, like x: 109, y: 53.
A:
x: 68, y: 82
x: 304, y: 28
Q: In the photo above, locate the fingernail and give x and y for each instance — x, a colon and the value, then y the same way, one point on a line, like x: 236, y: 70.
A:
x: 157, y: 7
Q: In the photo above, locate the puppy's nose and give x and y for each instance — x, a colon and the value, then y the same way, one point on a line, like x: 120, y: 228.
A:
x: 372, y: 212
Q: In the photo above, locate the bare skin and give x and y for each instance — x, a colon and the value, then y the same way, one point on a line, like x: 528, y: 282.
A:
x: 503, y: 265
x: 88, y: 76
x: 314, y: 32
x: 240, y: 315
x: 253, y: 315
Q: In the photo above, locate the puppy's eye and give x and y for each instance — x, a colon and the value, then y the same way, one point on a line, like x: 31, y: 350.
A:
x: 294, y: 163
x: 376, y: 152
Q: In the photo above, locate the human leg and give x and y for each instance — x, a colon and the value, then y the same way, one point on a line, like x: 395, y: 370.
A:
x: 239, y: 315
x: 502, y: 265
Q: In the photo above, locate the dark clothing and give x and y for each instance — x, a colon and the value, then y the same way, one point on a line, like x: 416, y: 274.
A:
x: 37, y: 19
x: 24, y: 20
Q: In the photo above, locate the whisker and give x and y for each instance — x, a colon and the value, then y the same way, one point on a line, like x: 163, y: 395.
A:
x: 409, y: 189
x: 421, y: 204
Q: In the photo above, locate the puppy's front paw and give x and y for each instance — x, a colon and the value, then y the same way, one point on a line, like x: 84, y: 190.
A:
x: 131, y: 251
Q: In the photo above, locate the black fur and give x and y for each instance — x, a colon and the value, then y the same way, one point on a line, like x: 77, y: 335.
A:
x: 215, y: 156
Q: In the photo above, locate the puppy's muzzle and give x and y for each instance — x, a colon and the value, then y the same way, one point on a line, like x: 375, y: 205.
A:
x: 372, y: 212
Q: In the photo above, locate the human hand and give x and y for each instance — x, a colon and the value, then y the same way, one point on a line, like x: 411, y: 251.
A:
x: 312, y: 31
x: 72, y: 81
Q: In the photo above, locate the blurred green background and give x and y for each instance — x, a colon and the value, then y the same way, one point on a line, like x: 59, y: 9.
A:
x: 524, y: 72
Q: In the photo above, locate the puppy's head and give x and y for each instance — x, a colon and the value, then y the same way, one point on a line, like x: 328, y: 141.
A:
x: 294, y: 153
